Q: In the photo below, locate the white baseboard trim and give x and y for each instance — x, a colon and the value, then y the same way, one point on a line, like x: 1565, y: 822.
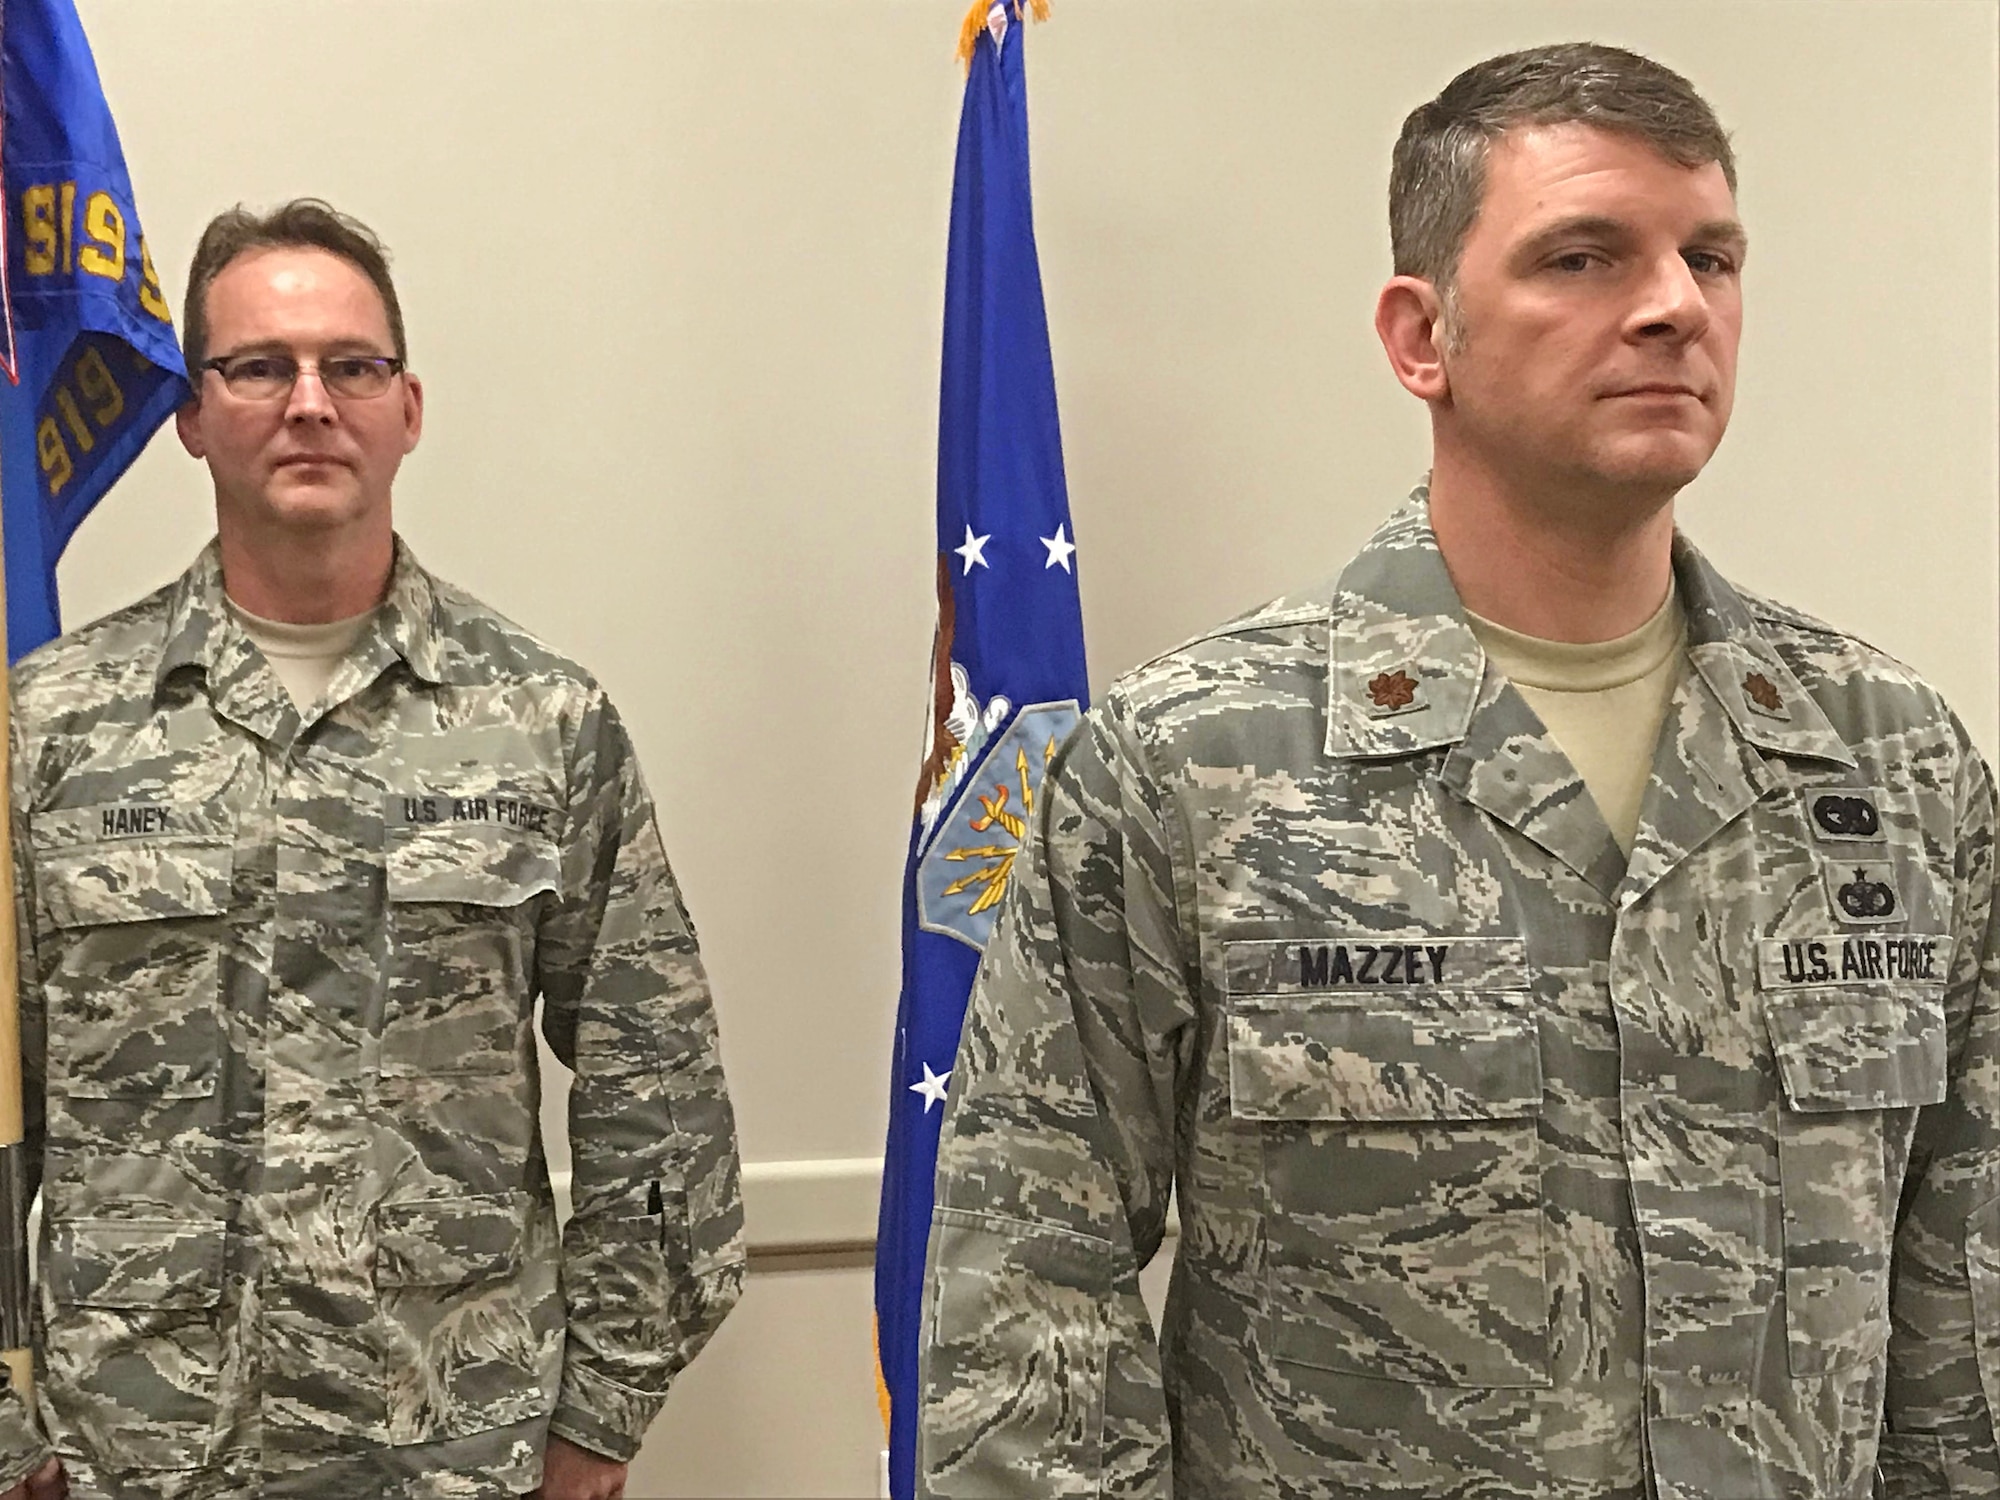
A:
x: 818, y: 1204
x: 822, y: 1203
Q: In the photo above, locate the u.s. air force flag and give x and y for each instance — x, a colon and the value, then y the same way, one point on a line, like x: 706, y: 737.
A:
x: 89, y: 367
x: 1007, y: 662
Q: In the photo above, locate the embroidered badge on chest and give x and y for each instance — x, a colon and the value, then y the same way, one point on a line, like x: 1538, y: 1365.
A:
x: 1864, y: 891
x: 1845, y: 814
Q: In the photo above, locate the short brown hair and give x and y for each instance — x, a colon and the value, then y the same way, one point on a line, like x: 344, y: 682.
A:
x: 1438, y: 173
x: 303, y: 222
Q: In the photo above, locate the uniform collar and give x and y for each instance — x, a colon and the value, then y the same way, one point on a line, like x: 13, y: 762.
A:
x: 1764, y: 701
x: 1404, y: 668
x: 1405, y: 671
x: 202, y: 634
x: 409, y: 620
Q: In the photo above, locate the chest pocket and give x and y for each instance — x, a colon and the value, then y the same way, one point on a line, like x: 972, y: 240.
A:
x: 463, y: 902
x: 134, y: 994
x: 1854, y: 1066
x: 1402, y: 1172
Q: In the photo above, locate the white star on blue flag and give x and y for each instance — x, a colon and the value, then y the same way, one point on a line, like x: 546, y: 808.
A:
x: 974, y: 550
x: 932, y: 1087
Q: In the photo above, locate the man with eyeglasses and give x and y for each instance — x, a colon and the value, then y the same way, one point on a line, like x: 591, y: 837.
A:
x: 301, y: 838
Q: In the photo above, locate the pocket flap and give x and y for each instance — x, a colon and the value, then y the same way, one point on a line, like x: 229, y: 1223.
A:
x: 1378, y: 1061
x: 1847, y: 1049
x: 135, y: 1263
x: 136, y: 880
x: 448, y: 1241
x: 482, y: 864
x: 1982, y: 1270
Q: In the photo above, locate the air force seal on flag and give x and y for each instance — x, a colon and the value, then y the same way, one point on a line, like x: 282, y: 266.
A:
x: 964, y: 872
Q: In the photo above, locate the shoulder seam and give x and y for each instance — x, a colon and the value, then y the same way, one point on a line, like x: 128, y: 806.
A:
x: 1303, y: 614
x: 1782, y: 617
x: 1771, y: 614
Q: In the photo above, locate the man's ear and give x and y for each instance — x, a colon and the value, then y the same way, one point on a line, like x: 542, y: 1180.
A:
x: 413, y: 411
x: 1409, y: 320
x: 187, y: 426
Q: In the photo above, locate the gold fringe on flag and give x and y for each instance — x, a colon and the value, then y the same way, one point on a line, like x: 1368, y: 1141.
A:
x: 975, y: 22
x: 881, y: 1385
x: 968, y: 34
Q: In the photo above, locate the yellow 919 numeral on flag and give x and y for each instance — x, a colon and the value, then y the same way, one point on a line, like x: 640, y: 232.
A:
x: 50, y: 235
x: 97, y: 400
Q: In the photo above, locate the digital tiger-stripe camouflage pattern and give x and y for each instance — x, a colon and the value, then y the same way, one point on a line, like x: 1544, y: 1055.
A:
x: 277, y: 980
x: 1505, y: 1167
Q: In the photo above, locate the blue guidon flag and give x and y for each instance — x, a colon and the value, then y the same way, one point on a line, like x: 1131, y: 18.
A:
x: 1007, y: 662
x: 89, y: 367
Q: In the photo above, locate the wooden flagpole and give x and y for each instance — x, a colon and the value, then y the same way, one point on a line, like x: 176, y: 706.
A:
x: 13, y: 1146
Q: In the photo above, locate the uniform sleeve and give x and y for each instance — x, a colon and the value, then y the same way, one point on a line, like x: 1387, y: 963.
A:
x: 23, y: 1449
x: 653, y: 1254
x: 1040, y: 1372
x: 1943, y: 1391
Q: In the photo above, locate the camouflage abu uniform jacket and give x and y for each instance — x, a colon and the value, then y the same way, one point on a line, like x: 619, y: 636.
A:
x: 277, y: 979
x: 1504, y: 1169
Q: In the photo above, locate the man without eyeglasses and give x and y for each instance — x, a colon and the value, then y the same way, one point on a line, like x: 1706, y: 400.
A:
x: 301, y: 838
x: 1560, y: 989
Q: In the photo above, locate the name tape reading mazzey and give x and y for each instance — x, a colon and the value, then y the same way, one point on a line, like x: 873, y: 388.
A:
x: 1432, y: 961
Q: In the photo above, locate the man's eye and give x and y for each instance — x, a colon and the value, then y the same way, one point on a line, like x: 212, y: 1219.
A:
x: 1574, y: 260
x: 347, y: 367
x: 261, y: 367
x: 1707, y: 263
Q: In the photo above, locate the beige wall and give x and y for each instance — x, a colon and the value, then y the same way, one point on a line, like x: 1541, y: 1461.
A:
x: 673, y: 273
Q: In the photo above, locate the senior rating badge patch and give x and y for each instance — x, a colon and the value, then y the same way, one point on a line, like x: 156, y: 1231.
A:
x: 964, y: 873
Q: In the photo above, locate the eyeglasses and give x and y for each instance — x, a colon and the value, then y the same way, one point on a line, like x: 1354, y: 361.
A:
x: 264, y: 377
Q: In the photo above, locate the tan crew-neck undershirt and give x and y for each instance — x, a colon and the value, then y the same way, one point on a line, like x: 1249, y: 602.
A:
x: 1603, y: 702
x: 303, y: 656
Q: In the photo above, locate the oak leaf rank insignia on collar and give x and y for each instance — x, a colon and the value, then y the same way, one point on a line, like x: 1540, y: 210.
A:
x: 1764, y: 693
x: 1389, y: 691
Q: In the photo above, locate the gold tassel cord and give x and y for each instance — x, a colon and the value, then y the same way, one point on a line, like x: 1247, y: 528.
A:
x: 968, y: 34
x: 975, y: 22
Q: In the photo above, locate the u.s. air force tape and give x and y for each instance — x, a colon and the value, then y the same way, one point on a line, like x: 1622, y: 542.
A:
x: 423, y: 810
x: 1850, y: 958
x: 1374, y: 961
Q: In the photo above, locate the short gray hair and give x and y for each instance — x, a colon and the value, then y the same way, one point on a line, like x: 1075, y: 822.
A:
x: 1437, y: 176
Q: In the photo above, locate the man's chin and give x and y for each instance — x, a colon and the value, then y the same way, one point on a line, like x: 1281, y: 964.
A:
x: 313, y: 507
x: 1663, y: 462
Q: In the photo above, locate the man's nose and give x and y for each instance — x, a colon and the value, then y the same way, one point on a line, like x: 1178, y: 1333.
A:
x: 308, y: 401
x: 1673, y: 305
